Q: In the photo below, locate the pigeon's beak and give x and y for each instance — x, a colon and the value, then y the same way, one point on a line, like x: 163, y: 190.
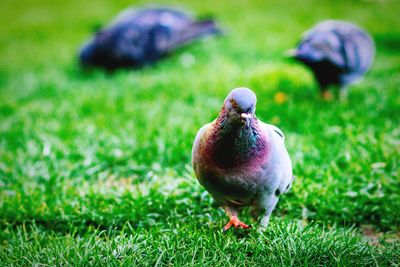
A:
x: 246, y: 119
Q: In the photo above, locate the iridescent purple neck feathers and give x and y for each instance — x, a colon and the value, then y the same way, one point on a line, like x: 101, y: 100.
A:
x: 234, y: 145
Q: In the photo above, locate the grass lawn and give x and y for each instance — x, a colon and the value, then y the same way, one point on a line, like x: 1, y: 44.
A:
x: 95, y: 167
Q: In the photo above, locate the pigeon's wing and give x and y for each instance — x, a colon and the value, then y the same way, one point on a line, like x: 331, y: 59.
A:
x: 342, y: 43
x: 359, y: 48
x: 125, y: 16
x: 280, y: 157
x: 357, y: 44
x: 276, y: 130
x: 148, y: 17
x: 194, y: 31
x: 319, y: 46
x: 144, y: 35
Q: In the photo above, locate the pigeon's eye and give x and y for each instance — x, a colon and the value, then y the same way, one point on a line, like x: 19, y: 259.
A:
x: 234, y: 104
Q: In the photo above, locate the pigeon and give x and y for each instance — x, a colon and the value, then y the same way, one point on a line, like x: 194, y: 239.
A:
x: 241, y: 161
x: 337, y: 52
x: 139, y: 37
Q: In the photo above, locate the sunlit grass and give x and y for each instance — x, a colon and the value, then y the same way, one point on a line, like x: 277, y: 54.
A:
x: 95, y: 167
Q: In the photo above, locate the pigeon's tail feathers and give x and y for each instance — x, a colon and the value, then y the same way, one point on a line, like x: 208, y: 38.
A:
x: 195, y: 31
x: 87, y: 53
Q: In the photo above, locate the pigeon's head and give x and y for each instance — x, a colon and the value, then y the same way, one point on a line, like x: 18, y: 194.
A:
x: 87, y: 53
x: 318, y: 44
x: 240, y: 105
x: 119, y: 46
x: 310, y: 50
x: 94, y: 53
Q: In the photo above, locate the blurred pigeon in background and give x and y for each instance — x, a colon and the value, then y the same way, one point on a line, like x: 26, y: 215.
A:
x: 337, y: 52
x: 138, y: 37
x: 242, y: 161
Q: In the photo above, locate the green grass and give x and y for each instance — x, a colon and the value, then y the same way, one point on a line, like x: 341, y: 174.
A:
x: 95, y: 168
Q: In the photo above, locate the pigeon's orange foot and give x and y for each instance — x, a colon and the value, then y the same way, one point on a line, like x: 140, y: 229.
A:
x: 236, y: 223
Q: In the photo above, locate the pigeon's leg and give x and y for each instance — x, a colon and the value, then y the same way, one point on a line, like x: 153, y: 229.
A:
x: 268, y: 202
x: 233, y: 219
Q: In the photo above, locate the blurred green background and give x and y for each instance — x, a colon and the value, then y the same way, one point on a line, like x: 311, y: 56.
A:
x: 95, y: 167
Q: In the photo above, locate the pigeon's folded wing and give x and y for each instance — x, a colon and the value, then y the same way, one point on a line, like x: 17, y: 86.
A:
x: 281, y: 158
x: 275, y: 130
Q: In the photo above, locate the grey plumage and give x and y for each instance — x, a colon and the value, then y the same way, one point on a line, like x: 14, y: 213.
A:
x: 242, y: 161
x: 138, y: 37
x: 337, y: 52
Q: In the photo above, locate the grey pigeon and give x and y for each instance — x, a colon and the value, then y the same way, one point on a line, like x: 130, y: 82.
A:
x: 139, y: 37
x: 241, y: 161
x: 337, y: 52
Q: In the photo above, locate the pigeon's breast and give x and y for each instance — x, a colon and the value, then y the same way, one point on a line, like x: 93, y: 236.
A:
x: 233, y: 165
x: 238, y: 185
